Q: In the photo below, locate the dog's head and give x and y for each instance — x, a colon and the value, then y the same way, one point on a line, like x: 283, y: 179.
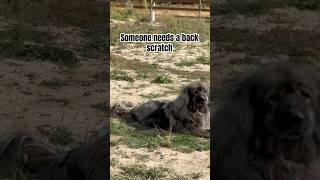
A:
x: 198, y: 98
x: 289, y: 108
x: 281, y: 102
x: 270, y: 124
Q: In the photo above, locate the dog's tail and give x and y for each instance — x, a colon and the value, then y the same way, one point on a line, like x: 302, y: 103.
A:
x: 29, y: 153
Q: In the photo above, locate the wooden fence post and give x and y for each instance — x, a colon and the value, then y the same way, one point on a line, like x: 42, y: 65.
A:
x: 152, y: 12
x: 200, y: 5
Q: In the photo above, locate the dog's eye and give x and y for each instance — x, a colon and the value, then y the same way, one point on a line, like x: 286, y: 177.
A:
x: 305, y: 94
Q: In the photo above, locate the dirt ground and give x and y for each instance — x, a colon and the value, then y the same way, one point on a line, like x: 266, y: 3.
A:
x: 182, y: 164
x: 44, y: 93
x: 244, y: 41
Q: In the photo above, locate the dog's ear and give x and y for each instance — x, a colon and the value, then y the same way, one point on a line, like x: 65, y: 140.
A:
x: 238, y: 112
x: 187, y: 90
x: 243, y: 101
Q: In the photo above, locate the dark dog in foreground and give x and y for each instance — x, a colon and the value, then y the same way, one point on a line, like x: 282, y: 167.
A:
x: 189, y: 112
x: 28, y: 152
x: 270, y: 127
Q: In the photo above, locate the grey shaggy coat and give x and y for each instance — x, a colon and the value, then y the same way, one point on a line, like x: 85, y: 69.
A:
x: 189, y: 112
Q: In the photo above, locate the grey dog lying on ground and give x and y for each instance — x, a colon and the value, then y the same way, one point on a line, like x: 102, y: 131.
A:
x: 188, y: 113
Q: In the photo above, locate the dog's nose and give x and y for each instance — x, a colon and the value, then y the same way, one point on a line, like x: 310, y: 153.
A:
x: 295, y: 118
x: 202, y: 98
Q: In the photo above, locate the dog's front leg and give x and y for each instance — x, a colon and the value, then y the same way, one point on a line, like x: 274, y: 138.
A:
x: 201, y: 132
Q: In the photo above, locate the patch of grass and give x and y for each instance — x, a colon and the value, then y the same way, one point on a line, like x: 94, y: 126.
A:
x: 203, y: 60
x: 143, y: 157
x: 197, y: 75
x: 143, y: 141
x: 152, y: 66
x: 301, y: 51
x: 196, y: 175
x: 53, y: 83
x: 123, y: 14
x: 302, y: 60
x: 100, y: 106
x: 162, y: 79
x: 188, y: 143
x: 305, y: 4
x: 176, y: 45
x: 180, y: 177
x: 145, y: 72
x: 142, y: 75
x: 62, y: 101
x: 134, y: 139
x: 119, y: 128
x: 245, y: 60
x: 246, y: 7
x: 100, y: 76
x: 186, y: 25
x: 157, y: 95
x: 302, y: 55
x: 117, y: 177
x: 54, y: 54
x: 24, y: 33
x: 83, y: 13
x: 120, y: 76
x: 276, y: 41
x: 148, y: 69
x: 61, y: 135
x: 113, y: 161
x: 143, y: 172
x: 186, y: 63
x: 152, y: 95
x: 97, y: 44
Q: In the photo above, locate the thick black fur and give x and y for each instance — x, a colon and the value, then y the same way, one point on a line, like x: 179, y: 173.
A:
x: 30, y: 153
x: 151, y: 114
x: 189, y: 112
x: 269, y: 129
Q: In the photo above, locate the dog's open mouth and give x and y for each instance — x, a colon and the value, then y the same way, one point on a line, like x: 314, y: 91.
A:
x: 202, y: 108
x: 294, y: 136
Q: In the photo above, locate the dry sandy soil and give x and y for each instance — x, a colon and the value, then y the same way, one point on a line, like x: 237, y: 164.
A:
x: 75, y: 99
x: 243, y: 42
x: 180, y: 164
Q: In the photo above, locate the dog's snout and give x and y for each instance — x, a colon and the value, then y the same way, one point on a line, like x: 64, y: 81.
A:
x: 291, y: 109
x: 295, y: 117
x: 201, y: 98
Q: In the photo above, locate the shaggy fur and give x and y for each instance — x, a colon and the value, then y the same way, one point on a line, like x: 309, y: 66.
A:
x: 28, y: 152
x: 189, y: 112
x: 270, y: 127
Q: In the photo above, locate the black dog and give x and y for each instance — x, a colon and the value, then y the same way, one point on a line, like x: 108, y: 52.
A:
x: 27, y: 152
x: 269, y: 129
x: 189, y: 112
